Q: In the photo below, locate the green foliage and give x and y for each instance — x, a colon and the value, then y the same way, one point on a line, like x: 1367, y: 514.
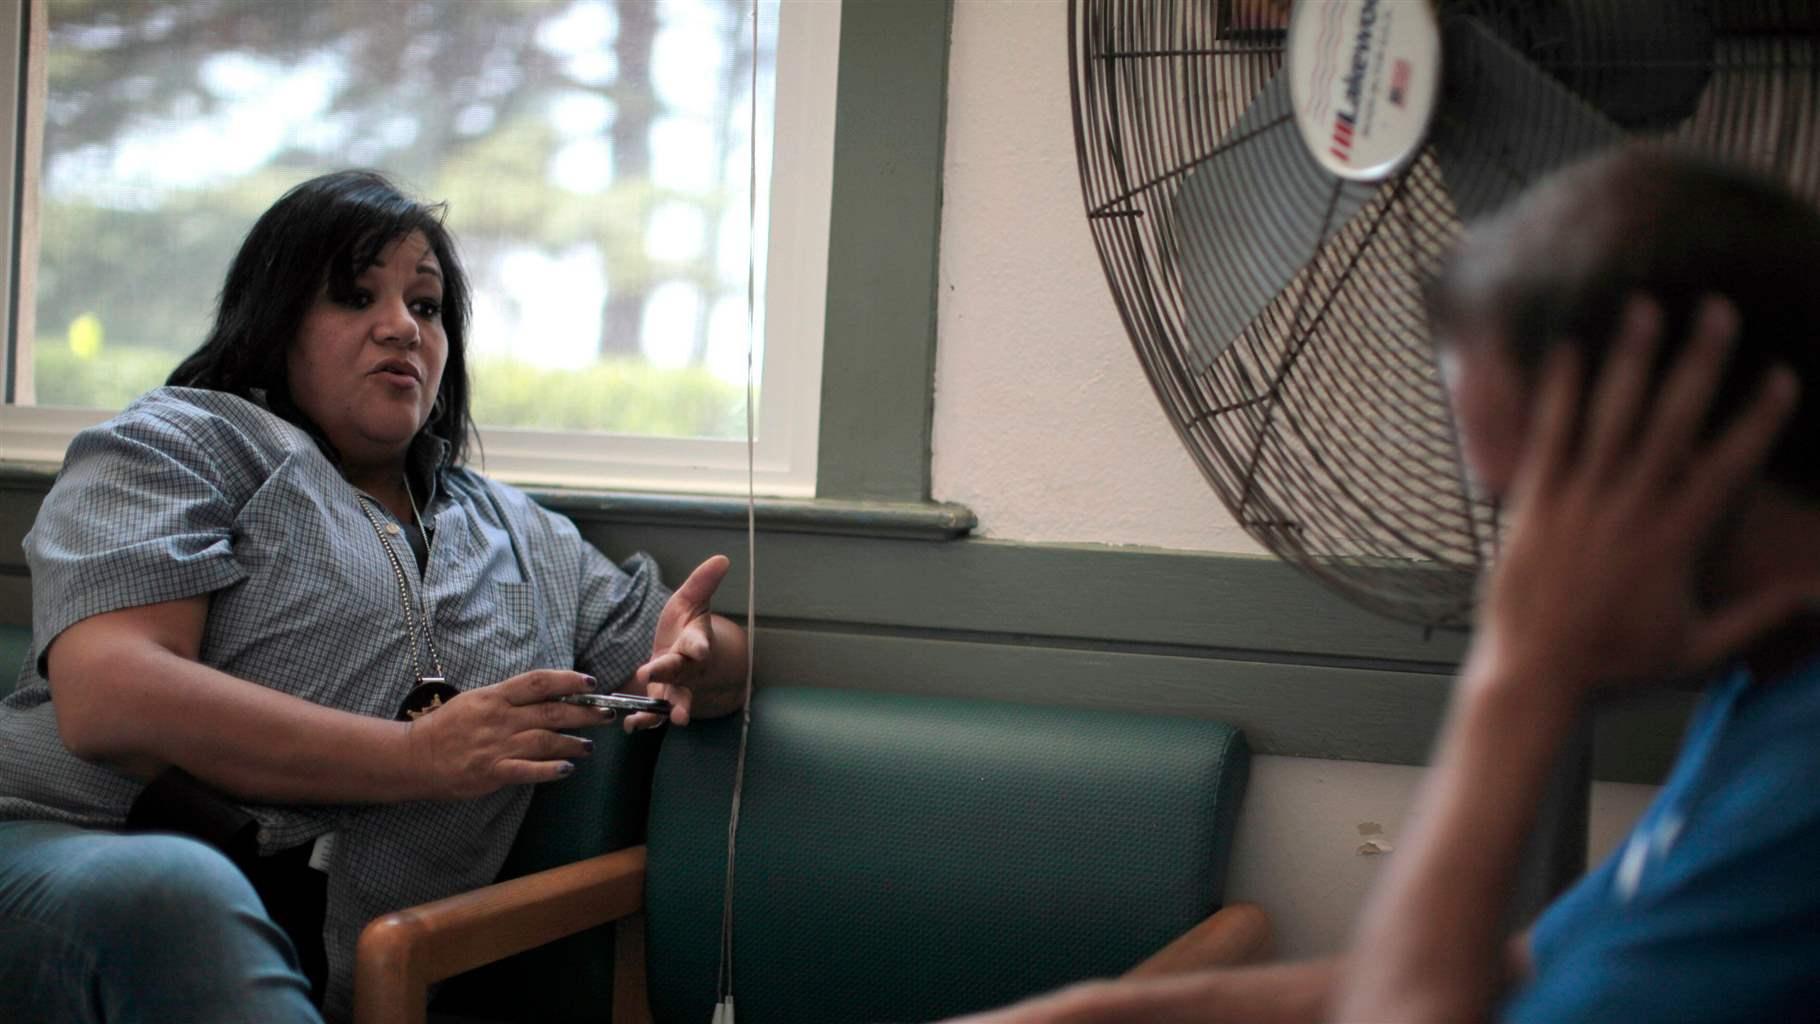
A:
x: 618, y: 396
x: 128, y: 271
x: 114, y: 376
x: 625, y: 396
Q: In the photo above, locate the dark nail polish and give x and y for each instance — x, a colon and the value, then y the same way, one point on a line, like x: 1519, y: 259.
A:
x: 593, y: 684
x: 567, y: 768
x: 588, y: 745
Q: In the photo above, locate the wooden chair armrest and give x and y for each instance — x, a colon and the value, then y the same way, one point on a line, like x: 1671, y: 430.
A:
x: 401, y: 954
x: 1234, y: 935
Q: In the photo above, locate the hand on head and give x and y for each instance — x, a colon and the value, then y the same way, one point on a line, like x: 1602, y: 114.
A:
x: 1613, y: 509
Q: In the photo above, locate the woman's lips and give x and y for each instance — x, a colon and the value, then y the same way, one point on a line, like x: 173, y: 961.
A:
x: 397, y: 377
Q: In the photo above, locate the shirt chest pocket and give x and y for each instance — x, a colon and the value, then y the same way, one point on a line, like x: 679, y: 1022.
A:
x: 311, y: 559
x: 494, y: 619
x: 495, y: 633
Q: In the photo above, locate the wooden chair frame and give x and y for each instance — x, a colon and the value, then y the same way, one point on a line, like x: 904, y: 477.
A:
x: 402, y: 954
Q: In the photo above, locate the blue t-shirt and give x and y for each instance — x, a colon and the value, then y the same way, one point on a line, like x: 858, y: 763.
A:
x: 1711, y: 909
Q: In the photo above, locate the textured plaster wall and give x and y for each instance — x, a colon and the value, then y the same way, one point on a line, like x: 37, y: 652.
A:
x: 1298, y: 848
x: 1046, y: 428
x: 1045, y: 425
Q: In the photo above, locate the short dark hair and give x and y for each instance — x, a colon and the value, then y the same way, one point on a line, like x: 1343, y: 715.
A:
x: 1560, y: 263
x: 321, y: 234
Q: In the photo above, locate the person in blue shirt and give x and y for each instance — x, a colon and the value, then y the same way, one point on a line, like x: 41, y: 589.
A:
x: 1632, y: 351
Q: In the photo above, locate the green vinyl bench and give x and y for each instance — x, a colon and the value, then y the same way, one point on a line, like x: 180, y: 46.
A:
x: 899, y: 858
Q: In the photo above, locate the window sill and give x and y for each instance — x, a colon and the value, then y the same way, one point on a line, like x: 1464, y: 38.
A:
x: 904, y: 520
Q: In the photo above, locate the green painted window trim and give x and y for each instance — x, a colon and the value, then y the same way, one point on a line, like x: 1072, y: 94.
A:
x: 900, y: 520
x: 879, y: 331
x: 884, y: 229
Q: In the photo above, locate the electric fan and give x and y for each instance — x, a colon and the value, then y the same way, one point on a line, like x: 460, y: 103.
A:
x: 1268, y: 187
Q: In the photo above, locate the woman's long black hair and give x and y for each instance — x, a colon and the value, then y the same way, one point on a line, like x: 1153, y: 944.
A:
x: 323, y: 234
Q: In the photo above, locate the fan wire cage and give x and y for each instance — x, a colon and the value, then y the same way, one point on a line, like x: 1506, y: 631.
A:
x: 1278, y: 309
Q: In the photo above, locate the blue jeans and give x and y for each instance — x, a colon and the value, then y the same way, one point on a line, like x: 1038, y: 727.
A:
x: 99, y: 926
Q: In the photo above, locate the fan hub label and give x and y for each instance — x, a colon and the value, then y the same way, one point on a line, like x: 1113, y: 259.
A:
x: 1363, y: 78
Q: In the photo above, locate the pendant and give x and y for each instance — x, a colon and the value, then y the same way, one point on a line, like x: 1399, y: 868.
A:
x: 430, y: 693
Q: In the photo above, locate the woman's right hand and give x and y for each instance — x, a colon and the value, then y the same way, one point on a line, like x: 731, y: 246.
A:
x: 506, y: 734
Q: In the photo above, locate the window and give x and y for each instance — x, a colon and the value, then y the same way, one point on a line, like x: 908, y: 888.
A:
x: 595, y: 155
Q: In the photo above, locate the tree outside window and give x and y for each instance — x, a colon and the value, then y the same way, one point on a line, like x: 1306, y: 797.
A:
x: 595, y: 155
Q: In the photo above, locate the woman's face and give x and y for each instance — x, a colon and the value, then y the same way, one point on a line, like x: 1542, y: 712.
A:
x: 366, y: 370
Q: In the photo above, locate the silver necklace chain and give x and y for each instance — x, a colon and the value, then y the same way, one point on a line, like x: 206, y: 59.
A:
x: 404, y: 590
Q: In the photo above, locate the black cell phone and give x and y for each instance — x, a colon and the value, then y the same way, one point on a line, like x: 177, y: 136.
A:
x: 622, y: 702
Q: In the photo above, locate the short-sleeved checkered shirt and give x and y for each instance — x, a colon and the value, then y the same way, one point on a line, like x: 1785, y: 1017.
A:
x: 192, y: 492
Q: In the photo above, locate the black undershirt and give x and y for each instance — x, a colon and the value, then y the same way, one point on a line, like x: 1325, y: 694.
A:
x: 415, y: 537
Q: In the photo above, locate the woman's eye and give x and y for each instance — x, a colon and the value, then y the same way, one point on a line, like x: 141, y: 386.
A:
x: 359, y: 298
x: 429, y: 309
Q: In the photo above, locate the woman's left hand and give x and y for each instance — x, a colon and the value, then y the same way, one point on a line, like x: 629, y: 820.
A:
x: 683, y: 651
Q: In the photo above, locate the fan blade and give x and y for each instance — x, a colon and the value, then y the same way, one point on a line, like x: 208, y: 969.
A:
x: 1250, y: 218
x: 1643, y: 63
x: 1503, y: 121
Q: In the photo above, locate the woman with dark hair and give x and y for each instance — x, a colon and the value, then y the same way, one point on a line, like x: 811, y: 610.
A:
x: 273, y: 611
x: 319, y: 238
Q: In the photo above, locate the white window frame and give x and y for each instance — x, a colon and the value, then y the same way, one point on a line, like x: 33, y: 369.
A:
x: 785, y: 445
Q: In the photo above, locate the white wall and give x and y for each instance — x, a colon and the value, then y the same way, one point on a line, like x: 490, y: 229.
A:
x: 1044, y: 421
x: 1045, y: 426
x: 1299, y: 851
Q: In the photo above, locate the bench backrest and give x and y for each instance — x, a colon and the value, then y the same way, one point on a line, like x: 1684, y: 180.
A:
x: 911, y: 858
